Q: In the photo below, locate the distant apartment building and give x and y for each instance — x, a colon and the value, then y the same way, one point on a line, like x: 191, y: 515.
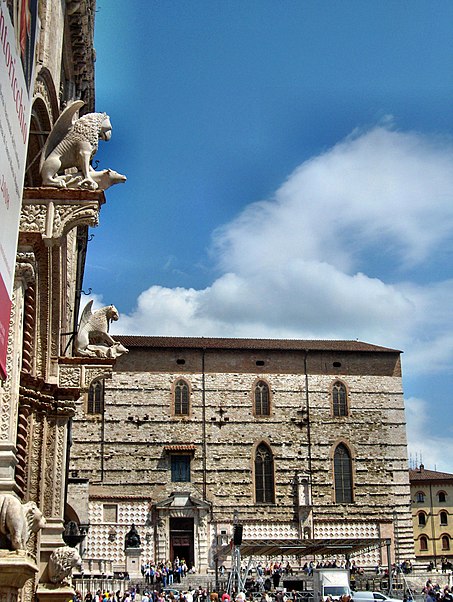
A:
x: 432, y: 514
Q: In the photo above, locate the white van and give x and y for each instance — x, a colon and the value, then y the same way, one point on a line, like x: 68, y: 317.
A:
x: 372, y: 597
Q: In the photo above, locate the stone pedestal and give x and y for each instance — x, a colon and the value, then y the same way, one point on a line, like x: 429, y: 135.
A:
x: 134, y: 562
x: 15, y: 569
x: 49, y: 592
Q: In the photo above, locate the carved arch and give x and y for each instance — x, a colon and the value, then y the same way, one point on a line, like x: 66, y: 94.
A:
x: 261, y: 398
x: 95, y: 397
x: 181, y: 395
x: 40, y: 126
x: 339, y: 398
x: 46, y: 87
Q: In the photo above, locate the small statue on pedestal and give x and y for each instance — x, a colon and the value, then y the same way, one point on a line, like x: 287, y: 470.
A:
x: 132, y: 539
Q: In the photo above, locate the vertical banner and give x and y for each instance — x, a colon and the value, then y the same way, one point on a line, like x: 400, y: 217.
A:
x: 18, y: 33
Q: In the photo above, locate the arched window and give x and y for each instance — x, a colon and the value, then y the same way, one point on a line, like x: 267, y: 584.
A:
x: 445, y: 542
x: 443, y: 518
x: 96, y: 397
x: 420, y: 497
x: 421, y: 519
x: 442, y: 496
x: 342, y: 467
x: 262, y: 405
x: 264, y: 475
x: 423, y: 543
x: 339, y: 399
x: 181, y: 398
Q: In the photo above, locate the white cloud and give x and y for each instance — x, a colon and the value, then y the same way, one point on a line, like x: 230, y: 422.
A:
x: 382, y: 189
x: 313, y: 261
x: 433, y: 450
x: 296, y: 265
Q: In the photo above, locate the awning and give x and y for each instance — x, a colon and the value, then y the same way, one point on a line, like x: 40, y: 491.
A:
x: 304, y: 547
x: 179, y: 448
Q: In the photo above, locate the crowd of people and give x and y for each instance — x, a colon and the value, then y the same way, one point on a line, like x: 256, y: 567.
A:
x: 134, y: 594
x: 433, y: 592
x: 265, y: 585
x: 164, y: 574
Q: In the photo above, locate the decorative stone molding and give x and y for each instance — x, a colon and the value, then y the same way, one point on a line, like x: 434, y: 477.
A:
x: 81, y: 26
x: 52, y: 213
x: 43, y: 400
x: 95, y: 373
x: 70, y: 376
x: 15, y: 569
x: 8, y: 398
x: 26, y: 268
x: 33, y: 218
x: 45, y: 88
x: 79, y: 373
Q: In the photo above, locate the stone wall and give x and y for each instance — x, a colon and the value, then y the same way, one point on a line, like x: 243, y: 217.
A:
x: 131, y: 442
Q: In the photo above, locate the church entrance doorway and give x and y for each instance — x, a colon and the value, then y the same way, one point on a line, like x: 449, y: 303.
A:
x: 181, y: 540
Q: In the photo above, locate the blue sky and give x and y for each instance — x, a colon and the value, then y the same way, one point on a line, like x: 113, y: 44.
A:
x: 289, y: 174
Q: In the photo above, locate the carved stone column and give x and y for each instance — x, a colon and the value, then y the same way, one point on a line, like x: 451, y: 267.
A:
x: 54, y: 477
x: 162, y: 547
x: 53, y: 212
x: 201, y: 543
x: 9, y: 392
x: 303, y: 489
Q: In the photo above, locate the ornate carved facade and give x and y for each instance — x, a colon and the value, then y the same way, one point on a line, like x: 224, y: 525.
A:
x: 44, y: 380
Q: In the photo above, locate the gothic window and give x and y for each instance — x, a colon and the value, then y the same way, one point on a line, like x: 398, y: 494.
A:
x: 443, y: 518
x: 264, y: 475
x: 96, y: 397
x: 339, y: 399
x: 181, y: 398
x: 423, y: 543
x: 342, y: 467
x: 180, y: 469
x: 442, y: 496
x: 262, y: 405
x: 420, y: 497
x: 445, y: 542
x: 421, y: 519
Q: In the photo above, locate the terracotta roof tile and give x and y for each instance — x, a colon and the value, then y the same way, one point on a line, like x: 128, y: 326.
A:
x: 421, y: 474
x: 261, y: 344
x: 178, y: 447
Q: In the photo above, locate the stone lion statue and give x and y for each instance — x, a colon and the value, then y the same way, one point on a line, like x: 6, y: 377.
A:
x: 73, y: 145
x: 18, y: 521
x: 61, y: 563
x: 93, y: 339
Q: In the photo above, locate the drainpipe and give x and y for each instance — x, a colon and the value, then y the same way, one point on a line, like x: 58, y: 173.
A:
x: 433, y: 528
x: 389, y: 567
x: 310, y: 473
x: 203, y: 418
x: 307, y: 402
x: 102, y: 434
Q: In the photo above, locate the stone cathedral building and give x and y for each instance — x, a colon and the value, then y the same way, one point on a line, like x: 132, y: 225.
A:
x: 303, y: 441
